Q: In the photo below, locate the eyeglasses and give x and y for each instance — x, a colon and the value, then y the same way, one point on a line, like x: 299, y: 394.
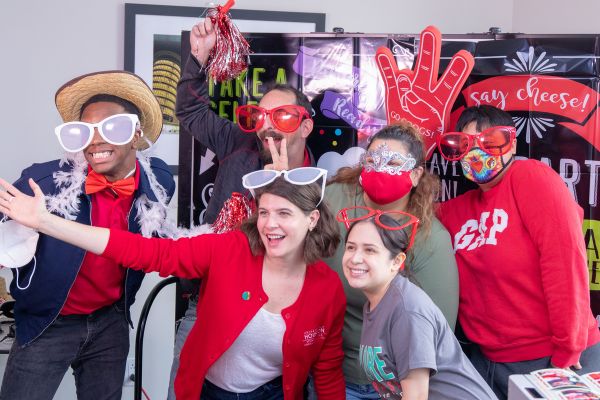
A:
x: 296, y: 176
x: 117, y: 129
x: 349, y: 215
x: 495, y: 141
x: 286, y: 118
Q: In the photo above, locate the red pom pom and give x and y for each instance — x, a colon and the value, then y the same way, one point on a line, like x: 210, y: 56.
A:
x: 235, y: 210
x: 229, y: 58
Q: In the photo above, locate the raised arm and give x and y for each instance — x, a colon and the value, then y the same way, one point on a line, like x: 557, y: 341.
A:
x: 166, y: 256
x: 202, y: 40
x: 193, y: 102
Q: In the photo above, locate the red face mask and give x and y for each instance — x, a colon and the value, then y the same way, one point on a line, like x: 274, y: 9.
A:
x: 384, y: 188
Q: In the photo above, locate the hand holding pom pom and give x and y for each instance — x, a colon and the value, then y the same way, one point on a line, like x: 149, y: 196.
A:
x: 218, y: 44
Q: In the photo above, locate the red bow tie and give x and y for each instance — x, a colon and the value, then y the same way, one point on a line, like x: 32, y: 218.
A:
x: 96, y: 182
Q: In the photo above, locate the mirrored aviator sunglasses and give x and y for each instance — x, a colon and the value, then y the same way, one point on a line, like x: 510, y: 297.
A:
x: 286, y: 118
x: 117, y: 129
x: 495, y: 141
x: 393, y: 220
x: 296, y: 176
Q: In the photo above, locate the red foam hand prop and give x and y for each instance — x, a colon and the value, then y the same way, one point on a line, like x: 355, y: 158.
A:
x: 419, y: 96
x: 229, y: 57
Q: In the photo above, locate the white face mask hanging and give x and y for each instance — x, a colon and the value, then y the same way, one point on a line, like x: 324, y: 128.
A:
x: 17, y: 247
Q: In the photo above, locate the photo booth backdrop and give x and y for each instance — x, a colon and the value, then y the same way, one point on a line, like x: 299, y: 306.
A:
x: 549, y: 84
x: 153, y: 51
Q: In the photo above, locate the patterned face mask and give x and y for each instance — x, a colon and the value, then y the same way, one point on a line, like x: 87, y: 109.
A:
x: 480, y: 167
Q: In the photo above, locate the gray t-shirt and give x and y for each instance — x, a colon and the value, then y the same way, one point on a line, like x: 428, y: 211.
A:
x: 432, y: 264
x: 407, y: 331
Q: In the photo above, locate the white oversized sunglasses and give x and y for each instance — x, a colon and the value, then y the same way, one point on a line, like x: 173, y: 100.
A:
x: 117, y: 129
x: 296, y: 176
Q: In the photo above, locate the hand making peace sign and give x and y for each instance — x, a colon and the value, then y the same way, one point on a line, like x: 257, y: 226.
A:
x: 280, y: 161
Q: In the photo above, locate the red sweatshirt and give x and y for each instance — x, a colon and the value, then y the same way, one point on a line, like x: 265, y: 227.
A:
x: 231, y: 294
x: 524, y: 285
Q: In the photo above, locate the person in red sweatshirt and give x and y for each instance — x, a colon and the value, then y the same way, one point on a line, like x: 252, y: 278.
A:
x: 524, y: 286
x: 269, y: 310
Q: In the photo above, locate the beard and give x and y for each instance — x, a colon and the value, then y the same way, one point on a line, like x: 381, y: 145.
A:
x: 265, y: 156
x: 265, y: 153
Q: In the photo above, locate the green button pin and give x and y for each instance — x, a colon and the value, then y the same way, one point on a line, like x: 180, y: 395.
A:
x: 246, y: 295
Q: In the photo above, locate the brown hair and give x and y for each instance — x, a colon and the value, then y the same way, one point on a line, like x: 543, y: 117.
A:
x: 422, y: 197
x: 301, y: 98
x: 395, y: 241
x: 319, y: 243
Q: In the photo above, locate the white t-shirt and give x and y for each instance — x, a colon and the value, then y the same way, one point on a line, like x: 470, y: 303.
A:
x: 255, y: 357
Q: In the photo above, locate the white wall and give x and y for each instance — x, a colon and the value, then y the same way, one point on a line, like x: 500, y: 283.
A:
x: 556, y: 16
x: 46, y: 43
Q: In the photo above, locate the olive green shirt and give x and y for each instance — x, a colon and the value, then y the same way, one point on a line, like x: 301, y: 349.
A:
x: 432, y: 265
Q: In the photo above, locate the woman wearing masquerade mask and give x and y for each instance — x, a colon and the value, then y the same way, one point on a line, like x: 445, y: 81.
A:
x: 407, y: 349
x: 269, y: 311
x: 392, y: 177
x: 524, y: 284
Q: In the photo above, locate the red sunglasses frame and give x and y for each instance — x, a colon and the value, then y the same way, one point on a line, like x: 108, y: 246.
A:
x: 264, y: 113
x: 477, y: 139
x: 342, y: 216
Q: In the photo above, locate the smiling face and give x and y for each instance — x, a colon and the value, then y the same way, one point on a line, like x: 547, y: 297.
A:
x: 295, y: 140
x: 368, y: 265
x: 112, y: 161
x: 283, y: 226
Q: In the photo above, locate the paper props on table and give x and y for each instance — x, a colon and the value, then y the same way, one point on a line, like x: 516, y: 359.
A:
x: 229, y: 57
x: 419, y: 96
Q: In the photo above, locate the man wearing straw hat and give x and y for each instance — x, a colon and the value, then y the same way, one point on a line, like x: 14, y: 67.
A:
x: 72, y: 307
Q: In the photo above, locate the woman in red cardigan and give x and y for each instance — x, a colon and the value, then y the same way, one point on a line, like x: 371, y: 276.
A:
x: 269, y: 312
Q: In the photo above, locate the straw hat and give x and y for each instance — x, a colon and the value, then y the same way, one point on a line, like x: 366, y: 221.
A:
x: 73, y: 94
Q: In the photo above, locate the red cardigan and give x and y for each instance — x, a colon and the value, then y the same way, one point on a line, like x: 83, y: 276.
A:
x: 231, y: 294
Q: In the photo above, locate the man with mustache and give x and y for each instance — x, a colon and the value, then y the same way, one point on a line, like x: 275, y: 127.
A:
x: 283, y: 113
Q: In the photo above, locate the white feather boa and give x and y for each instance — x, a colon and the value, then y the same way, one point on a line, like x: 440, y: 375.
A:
x: 151, y: 215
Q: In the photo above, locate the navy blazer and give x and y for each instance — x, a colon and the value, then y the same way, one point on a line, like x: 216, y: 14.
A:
x: 58, y: 263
